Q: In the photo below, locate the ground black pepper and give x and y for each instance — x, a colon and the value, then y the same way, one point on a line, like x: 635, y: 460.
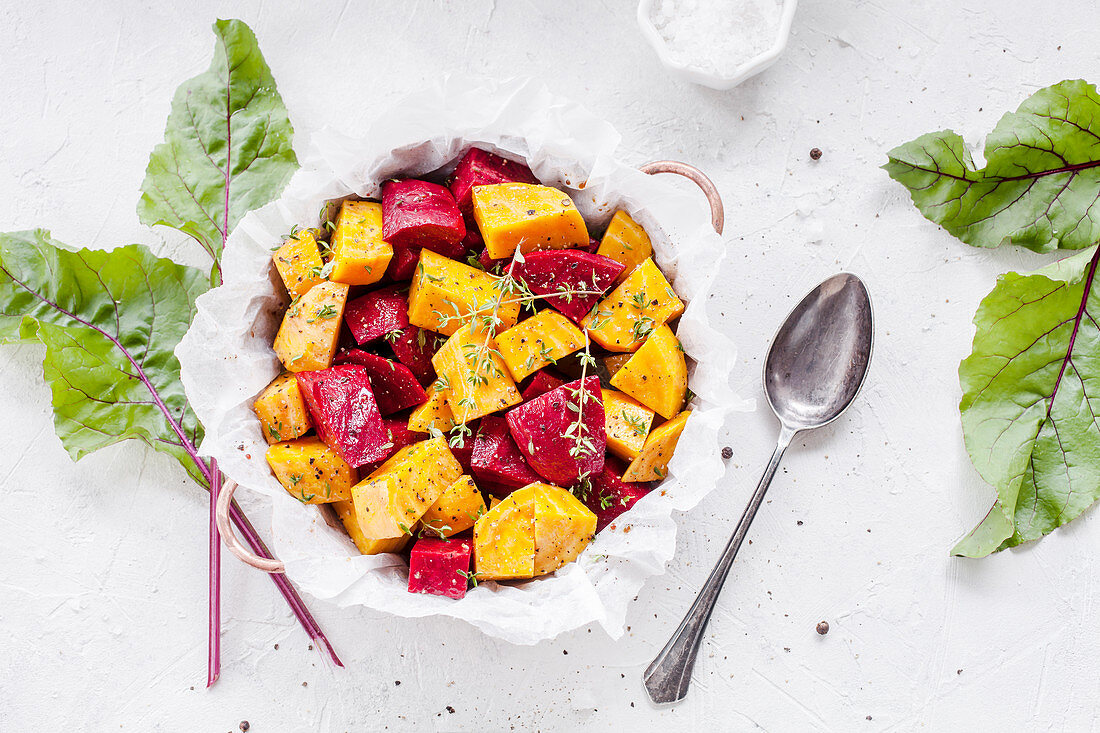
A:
x: 815, y: 154
x: 823, y: 627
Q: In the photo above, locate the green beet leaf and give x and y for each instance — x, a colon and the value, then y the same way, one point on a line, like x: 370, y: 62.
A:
x: 109, y: 322
x: 227, y: 146
x: 1031, y: 399
x: 1040, y: 187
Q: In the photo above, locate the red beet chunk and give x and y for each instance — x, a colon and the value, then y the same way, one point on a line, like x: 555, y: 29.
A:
x: 464, y: 453
x: 438, y: 567
x: 403, y: 264
x: 497, y: 460
x: 545, y: 430
x: 394, y: 386
x: 491, y: 265
x: 473, y: 242
x: 610, y: 496
x: 377, y: 313
x: 421, y: 214
x: 481, y: 168
x: 414, y: 347
x: 554, y: 271
x: 345, y: 413
x: 541, y: 383
x: 397, y: 430
x: 592, y: 246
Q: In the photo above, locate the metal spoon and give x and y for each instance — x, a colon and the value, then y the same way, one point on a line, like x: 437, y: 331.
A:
x: 813, y: 371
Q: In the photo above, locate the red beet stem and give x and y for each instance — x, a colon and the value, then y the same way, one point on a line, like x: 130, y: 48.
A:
x: 297, y: 605
x: 213, y: 661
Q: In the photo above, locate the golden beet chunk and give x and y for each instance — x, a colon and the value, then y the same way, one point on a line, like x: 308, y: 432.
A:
x: 643, y: 303
x: 299, y: 263
x: 652, y: 463
x: 307, y: 337
x: 282, y: 411
x: 626, y: 423
x: 537, y: 342
x: 527, y: 217
x: 446, y: 294
x: 456, y: 509
x: 472, y: 375
x: 656, y: 375
x: 625, y: 241
x: 391, y: 500
x: 310, y: 471
x: 346, y: 511
x: 432, y: 414
x: 533, y: 531
x: 359, y: 254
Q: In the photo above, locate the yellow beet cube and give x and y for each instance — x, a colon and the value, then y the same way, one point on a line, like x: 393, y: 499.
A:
x: 538, y: 341
x: 643, y: 303
x: 456, y: 509
x: 626, y: 424
x: 504, y: 540
x: 656, y: 375
x: 282, y: 411
x: 307, y: 337
x: 528, y: 217
x: 446, y: 294
x: 310, y: 471
x: 346, y: 511
x: 533, y: 531
x: 614, y: 362
x: 432, y: 414
x: 625, y: 241
x: 391, y: 500
x: 472, y: 376
x: 359, y: 254
x: 299, y: 263
x: 652, y: 463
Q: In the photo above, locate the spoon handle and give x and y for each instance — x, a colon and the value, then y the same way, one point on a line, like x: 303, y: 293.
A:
x: 668, y: 676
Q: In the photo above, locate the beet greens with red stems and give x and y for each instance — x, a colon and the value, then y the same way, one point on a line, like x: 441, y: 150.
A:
x: 1031, y: 385
x: 110, y: 320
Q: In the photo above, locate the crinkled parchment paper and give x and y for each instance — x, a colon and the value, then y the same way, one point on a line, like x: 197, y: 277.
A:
x: 227, y: 359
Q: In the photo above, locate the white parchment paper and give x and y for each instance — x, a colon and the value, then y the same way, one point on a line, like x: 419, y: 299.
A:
x: 227, y: 359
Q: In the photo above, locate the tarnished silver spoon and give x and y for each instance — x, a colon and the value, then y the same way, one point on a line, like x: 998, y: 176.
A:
x: 814, y: 369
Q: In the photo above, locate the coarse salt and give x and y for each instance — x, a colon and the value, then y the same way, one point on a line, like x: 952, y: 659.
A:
x: 717, y: 36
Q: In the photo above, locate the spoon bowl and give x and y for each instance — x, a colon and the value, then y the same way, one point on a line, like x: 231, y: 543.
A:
x: 813, y: 371
x: 818, y: 359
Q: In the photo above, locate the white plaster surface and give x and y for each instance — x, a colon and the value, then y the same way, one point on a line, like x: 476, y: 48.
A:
x: 103, y: 586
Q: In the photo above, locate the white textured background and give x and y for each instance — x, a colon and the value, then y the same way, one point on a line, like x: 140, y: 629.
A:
x: 103, y: 585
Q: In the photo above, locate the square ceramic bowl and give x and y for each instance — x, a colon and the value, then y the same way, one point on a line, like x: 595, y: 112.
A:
x: 698, y: 75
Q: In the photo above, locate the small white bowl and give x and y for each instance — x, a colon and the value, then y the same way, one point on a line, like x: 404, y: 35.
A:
x: 711, y: 79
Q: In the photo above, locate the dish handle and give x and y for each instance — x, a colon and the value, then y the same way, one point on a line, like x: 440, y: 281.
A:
x: 717, y: 211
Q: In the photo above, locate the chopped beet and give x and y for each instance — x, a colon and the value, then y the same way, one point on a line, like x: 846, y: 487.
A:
x: 414, y: 347
x: 403, y: 264
x: 481, y: 168
x: 546, y: 431
x: 497, y: 459
x: 491, y: 265
x: 554, y: 271
x: 440, y: 567
x: 377, y: 313
x: 592, y: 246
x: 610, y: 496
x: 541, y: 383
x: 464, y: 453
x: 473, y: 242
x: 345, y: 413
x: 422, y: 214
x: 394, y: 386
x: 397, y: 430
